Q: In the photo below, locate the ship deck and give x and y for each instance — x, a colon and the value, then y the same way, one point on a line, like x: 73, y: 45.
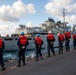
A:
x: 61, y: 64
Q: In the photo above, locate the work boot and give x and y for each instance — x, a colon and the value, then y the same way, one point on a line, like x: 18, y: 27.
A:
x: 74, y: 49
x: 24, y: 64
x: 59, y: 52
x: 41, y: 58
x: 18, y: 65
x: 3, y: 68
x: 36, y: 60
x: 54, y: 54
x: 66, y: 50
x: 48, y: 56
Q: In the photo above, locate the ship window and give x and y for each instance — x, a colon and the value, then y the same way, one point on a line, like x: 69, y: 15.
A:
x: 8, y: 39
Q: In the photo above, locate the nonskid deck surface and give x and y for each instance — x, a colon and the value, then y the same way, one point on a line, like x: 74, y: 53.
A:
x: 61, y: 64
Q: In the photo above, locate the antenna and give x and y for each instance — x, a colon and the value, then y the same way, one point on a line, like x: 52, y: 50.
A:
x: 64, y: 19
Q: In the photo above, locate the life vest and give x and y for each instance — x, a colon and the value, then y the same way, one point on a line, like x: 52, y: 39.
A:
x: 50, y: 36
x: 38, y: 40
x: 67, y: 34
x: 23, y: 40
x: 74, y: 36
x: 61, y: 37
x: 1, y: 42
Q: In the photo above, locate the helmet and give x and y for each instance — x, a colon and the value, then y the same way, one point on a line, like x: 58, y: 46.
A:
x: 22, y: 33
x: 38, y: 35
x: 49, y: 32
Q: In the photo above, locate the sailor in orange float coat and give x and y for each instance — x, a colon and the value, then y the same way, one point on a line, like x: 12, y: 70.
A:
x: 50, y: 41
x: 38, y: 44
x: 2, y: 46
x: 22, y: 44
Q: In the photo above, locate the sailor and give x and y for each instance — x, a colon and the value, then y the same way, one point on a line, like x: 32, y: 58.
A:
x: 74, y: 40
x: 38, y: 44
x: 50, y: 41
x: 22, y: 44
x: 67, y: 40
x: 2, y: 46
x: 60, y: 40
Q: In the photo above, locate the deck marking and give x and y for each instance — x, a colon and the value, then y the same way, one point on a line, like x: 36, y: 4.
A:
x: 15, y: 66
x: 7, y: 70
x: 27, y: 62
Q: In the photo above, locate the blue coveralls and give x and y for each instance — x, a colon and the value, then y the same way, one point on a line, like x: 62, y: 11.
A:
x: 50, y: 46
x: 38, y: 50
x: 21, y: 52
x: 1, y: 56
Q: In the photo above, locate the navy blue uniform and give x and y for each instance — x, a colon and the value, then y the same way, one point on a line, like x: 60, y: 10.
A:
x: 21, y: 51
x: 50, y: 41
x: 60, y: 40
x: 67, y: 40
x: 74, y: 41
x: 38, y: 43
x: 1, y: 55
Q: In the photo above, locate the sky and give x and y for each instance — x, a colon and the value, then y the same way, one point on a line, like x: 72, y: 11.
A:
x: 33, y: 13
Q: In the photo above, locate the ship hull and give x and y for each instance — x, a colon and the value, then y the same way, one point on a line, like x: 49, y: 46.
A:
x: 11, y: 43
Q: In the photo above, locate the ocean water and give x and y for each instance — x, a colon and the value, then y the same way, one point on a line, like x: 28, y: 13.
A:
x: 13, y: 55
